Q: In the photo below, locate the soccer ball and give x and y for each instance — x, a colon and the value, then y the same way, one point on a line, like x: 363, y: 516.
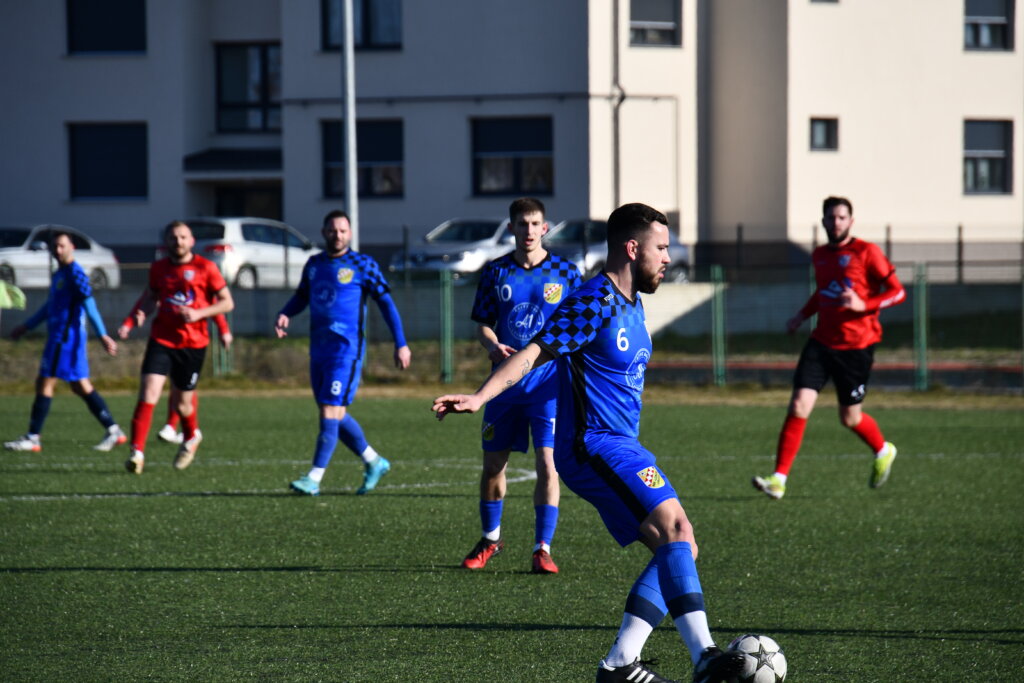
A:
x: 763, y: 659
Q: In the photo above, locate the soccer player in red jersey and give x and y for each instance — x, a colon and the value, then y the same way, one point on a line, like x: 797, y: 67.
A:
x: 854, y: 282
x: 185, y: 289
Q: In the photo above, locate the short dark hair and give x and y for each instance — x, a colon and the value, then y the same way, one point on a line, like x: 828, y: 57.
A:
x: 54, y: 234
x: 523, y: 206
x: 337, y: 213
x: 630, y: 220
x: 172, y: 225
x: 832, y: 202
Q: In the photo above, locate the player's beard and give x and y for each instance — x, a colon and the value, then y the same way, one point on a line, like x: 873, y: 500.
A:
x: 647, y: 283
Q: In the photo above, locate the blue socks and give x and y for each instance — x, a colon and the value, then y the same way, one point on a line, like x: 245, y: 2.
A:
x: 40, y: 409
x: 645, y: 600
x: 350, y: 433
x: 98, y: 407
x: 545, y: 521
x: 490, y: 515
x: 677, y: 574
x: 325, y: 442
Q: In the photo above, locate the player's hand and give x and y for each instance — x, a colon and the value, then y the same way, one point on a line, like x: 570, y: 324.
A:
x: 281, y: 326
x: 794, y: 323
x: 500, y: 352
x: 189, y: 315
x: 226, y: 339
x: 455, y: 403
x: 124, y: 331
x: 140, y: 317
x: 18, y: 332
x: 850, y: 300
x: 109, y: 345
x: 403, y: 356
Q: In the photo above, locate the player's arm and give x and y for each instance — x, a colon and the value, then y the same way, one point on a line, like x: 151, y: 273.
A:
x: 891, y: 293
x: 403, y: 356
x: 506, y: 375
x: 144, y: 305
x: 297, y: 304
x: 223, y: 331
x: 93, y: 314
x: 805, y: 312
x: 39, y: 316
x: 488, y: 338
x: 223, y: 304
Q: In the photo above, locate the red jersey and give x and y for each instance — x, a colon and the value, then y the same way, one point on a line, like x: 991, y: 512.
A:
x: 193, y: 285
x: 862, y: 267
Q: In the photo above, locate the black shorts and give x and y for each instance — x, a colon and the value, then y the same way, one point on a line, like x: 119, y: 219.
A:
x: 183, y: 365
x: 848, y: 369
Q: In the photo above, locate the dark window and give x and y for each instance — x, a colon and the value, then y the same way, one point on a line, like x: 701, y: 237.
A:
x: 824, y: 134
x: 513, y: 156
x: 376, y: 24
x: 655, y: 22
x: 987, y: 157
x: 106, y: 26
x: 249, y: 87
x: 988, y: 24
x: 379, y: 159
x: 108, y: 160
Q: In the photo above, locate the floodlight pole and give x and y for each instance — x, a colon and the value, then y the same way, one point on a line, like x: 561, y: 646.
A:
x: 348, y: 119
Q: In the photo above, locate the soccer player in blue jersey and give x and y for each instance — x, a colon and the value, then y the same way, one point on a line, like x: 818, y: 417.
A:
x: 516, y: 294
x: 601, y: 347
x: 335, y: 284
x: 66, y: 309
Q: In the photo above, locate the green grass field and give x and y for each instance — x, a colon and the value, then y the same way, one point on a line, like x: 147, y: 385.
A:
x: 218, y: 573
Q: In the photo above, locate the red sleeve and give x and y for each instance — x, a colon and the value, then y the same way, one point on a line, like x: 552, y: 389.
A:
x: 214, y: 279
x: 222, y: 324
x: 811, y: 307
x: 889, y: 288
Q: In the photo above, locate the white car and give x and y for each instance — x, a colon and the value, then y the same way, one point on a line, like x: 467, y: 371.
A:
x: 461, y: 245
x: 585, y: 243
x: 251, y: 252
x: 25, y: 258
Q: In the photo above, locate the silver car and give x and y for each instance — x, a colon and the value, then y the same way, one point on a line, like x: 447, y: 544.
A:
x: 461, y: 245
x: 585, y: 243
x: 251, y: 252
x: 25, y: 258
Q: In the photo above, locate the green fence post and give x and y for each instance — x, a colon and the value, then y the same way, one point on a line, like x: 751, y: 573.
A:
x: 813, y: 282
x: 447, y: 344
x: 921, y: 326
x: 215, y: 343
x: 718, y: 326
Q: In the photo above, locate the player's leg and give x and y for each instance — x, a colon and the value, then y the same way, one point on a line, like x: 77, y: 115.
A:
x: 156, y: 364
x: 37, y: 417
x: 169, y: 432
x: 546, y: 491
x: 85, y: 390
x: 491, y: 507
x: 851, y: 374
x: 645, y: 609
x: 375, y: 466
x: 326, y: 380
x: 186, y: 368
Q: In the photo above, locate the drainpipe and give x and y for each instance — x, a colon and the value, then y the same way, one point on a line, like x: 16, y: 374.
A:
x: 618, y: 97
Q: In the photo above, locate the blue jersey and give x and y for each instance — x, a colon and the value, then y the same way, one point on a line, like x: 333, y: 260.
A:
x: 516, y: 302
x: 335, y: 289
x: 601, y: 346
x: 65, y: 319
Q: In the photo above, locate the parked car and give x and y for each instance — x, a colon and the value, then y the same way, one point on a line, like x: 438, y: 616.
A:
x: 251, y: 252
x: 461, y: 245
x: 25, y: 258
x: 585, y: 243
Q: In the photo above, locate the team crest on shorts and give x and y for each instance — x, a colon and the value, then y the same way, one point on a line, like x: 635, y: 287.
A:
x: 553, y: 292
x: 651, y: 478
x: 487, y: 431
x: 345, y: 275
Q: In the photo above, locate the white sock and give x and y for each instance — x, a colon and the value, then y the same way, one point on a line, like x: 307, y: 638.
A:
x: 494, y: 534
x: 693, y: 627
x: 369, y: 455
x: 633, y: 633
x: 542, y: 546
x: 781, y: 477
x: 317, y: 474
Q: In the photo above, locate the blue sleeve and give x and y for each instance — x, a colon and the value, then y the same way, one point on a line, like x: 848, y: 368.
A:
x: 93, y: 314
x: 485, y: 308
x: 39, y: 316
x: 391, y: 317
x: 297, y: 304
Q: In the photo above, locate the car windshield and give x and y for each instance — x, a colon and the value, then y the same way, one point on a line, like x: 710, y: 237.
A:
x: 202, y: 230
x: 573, y: 231
x: 464, y: 231
x: 12, y: 237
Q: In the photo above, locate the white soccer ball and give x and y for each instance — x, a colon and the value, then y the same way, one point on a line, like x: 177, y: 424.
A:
x: 764, y: 661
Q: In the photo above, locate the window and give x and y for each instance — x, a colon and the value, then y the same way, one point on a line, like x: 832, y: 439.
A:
x: 987, y: 159
x: 654, y: 22
x: 108, y: 160
x: 249, y: 87
x: 824, y: 134
x: 379, y: 159
x: 376, y: 24
x: 988, y: 25
x: 513, y: 156
x: 106, y: 26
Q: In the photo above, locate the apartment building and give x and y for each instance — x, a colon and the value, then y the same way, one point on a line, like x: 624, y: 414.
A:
x: 123, y: 114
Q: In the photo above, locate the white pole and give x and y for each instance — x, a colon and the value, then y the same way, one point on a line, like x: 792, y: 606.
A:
x: 348, y: 117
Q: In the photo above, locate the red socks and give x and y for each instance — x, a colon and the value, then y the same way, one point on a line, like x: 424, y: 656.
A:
x: 790, y: 438
x: 172, y: 413
x: 867, y: 429
x: 141, y: 421
x: 190, y: 423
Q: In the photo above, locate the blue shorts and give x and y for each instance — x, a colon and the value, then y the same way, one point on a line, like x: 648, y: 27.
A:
x: 620, y: 478
x: 507, y: 426
x: 335, y: 380
x: 68, y: 361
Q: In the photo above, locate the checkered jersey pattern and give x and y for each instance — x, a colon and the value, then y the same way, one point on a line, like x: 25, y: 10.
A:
x: 594, y: 307
x: 504, y: 285
x: 69, y: 288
